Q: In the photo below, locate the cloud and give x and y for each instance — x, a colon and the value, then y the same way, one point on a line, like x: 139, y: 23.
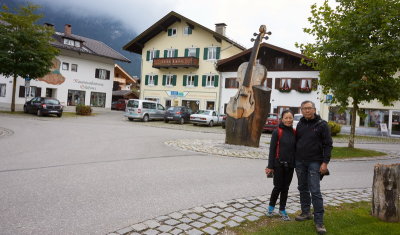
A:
x: 284, y: 18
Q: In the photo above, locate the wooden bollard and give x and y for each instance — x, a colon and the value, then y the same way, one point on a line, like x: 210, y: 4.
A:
x: 386, y: 192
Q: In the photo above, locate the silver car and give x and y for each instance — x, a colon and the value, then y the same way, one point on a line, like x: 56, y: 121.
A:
x: 144, y: 110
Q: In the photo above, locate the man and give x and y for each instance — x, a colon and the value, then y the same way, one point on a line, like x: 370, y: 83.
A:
x: 313, y: 152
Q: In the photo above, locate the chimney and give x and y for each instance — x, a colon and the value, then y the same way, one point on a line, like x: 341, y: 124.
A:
x: 220, y: 28
x: 67, y: 30
x: 49, y: 25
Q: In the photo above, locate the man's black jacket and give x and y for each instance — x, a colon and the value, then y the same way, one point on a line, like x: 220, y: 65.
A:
x: 313, y: 140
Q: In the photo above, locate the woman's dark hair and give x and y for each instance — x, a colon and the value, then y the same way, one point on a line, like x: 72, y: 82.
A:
x: 287, y: 111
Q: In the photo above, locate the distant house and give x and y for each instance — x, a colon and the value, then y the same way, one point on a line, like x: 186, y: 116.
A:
x: 178, y: 61
x: 125, y: 81
x: 83, y: 73
x: 291, y: 81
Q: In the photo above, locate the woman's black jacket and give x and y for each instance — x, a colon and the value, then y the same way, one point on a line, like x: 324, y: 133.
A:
x: 287, y: 147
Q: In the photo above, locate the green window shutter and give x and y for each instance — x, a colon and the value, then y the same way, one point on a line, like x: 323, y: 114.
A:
x: 157, y: 53
x: 169, y: 32
x: 196, y: 80
x: 218, y: 52
x: 176, y: 53
x: 148, y: 56
x: 155, y: 80
x: 174, y: 80
x: 190, y: 30
x: 197, y: 52
x: 146, y: 80
x: 165, y: 53
x: 204, y: 80
x: 205, y: 53
x: 164, y: 77
x: 184, y: 80
x: 186, y: 52
x: 216, y: 78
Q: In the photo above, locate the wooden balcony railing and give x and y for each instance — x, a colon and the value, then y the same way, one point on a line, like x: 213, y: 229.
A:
x: 176, y: 62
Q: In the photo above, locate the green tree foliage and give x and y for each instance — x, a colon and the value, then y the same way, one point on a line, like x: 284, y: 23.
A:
x: 25, y: 49
x: 357, y: 51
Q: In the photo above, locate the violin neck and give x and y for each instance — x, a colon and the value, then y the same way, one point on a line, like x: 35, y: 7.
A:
x: 253, y: 57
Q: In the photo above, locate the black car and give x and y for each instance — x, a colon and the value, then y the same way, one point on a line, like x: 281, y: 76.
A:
x: 43, y: 106
x: 180, y: 114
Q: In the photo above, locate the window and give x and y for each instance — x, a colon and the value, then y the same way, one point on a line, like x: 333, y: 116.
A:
x: 160, y: 107
x: 102, y: 74
x: 285, y: 84
x: 75, y: 97
x: 152, y: 54
x: 151, y: 80
x: 32, y: 91
x: 210, y: 81
x: 168, y: 80
x: 187, y: 30
x: 69, y: 42
x: 191, y: 52
x: 190, y: 80
x: 98, y: 99
x: 212, y: 53
x: 172, y: 32
x: 77, y: 44
x: 231, y: 83
x: 2, y: 90
x: 65, y: 66
x: 74, y: 67
x: 305, y: 84
x: 279, y: 63
x: 170, y: 53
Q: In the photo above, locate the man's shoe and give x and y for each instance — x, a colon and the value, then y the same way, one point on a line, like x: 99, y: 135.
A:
x: 320, y: 228
x: 303, y: 217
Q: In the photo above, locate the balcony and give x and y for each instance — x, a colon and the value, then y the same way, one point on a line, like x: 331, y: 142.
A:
x: 176, y: 62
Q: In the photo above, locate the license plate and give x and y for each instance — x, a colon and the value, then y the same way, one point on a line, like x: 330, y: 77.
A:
x: 169, y: 117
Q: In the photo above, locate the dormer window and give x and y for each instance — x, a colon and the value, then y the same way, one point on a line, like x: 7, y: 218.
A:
x: 71, y: 42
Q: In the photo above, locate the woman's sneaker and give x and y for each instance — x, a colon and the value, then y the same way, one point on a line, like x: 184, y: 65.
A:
x: 270, y: 211
x: 284, y: 215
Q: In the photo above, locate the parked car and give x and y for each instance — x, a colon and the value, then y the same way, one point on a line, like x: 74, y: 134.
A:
x: 296, y: 119
x: 119, y: 104
x: 43, y: 106
x: 179, y: 114
x: 223, y: 121
x: 206, y: 117
x: 144, y: 110
x: 272, y: 122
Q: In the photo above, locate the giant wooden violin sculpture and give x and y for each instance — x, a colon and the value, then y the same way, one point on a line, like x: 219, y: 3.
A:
x: 249, y: 74
x: 248, y: 108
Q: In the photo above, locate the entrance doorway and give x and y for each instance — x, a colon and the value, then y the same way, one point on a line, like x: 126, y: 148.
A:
x: 192, y: 104
x: 395, y: 123
x: 210, y: 105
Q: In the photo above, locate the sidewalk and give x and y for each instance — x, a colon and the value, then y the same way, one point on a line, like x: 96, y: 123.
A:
x: 213, y: 218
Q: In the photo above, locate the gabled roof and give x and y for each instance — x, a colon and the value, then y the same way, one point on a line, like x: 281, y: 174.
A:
x: 117, y: 67
x: 262, y: 45
x: 137, y: 44
x: 89, y: 46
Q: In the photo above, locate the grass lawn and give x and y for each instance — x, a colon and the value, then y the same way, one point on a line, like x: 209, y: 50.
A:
x: 341, y: 138
x: 345, y: 152
x: 354, y: 219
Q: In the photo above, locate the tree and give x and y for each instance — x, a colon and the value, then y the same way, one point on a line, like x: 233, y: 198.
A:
x: 25, y: 49
x: 356, y: 50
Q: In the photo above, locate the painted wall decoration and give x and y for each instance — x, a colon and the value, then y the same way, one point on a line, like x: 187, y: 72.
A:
x: 54, y: 77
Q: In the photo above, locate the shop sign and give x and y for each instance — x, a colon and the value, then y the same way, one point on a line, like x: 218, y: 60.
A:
x: 177, y: 93
x: 87, y: 85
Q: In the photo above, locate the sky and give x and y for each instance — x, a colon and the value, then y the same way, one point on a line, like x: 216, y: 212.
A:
x: 284, y: 18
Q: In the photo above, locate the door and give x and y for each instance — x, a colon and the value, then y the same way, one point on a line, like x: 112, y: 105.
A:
x: 395, y: 123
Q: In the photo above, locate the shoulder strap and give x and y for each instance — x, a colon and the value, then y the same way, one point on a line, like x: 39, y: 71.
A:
x: 280, y: 132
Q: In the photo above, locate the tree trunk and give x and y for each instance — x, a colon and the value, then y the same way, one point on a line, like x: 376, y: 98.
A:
x: 353, y: 124
x: 386, y: 192
x: 247, y: 131
x: 13, y: 93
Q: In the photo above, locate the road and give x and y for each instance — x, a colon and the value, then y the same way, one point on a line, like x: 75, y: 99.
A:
x: 93, y: 175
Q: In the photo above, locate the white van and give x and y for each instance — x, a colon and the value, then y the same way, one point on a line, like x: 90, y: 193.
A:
x: 144, y: 110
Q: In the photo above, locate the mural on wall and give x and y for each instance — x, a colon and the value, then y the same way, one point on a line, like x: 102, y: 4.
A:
x: 54, y: 77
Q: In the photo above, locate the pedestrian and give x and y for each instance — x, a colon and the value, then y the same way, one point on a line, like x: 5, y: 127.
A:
x: 313, y: 153
x: 281, y: 163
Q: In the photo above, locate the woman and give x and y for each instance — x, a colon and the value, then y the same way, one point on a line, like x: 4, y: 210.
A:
x: 281, y: 163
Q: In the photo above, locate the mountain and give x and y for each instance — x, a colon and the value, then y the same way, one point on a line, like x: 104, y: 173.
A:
x: 106, y: 30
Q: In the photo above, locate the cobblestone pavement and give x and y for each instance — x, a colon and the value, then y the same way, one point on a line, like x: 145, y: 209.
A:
x: 218, y: 147
x: 213, y: 218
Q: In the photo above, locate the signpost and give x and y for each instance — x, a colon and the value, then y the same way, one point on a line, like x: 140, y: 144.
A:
x: 384, y: 129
